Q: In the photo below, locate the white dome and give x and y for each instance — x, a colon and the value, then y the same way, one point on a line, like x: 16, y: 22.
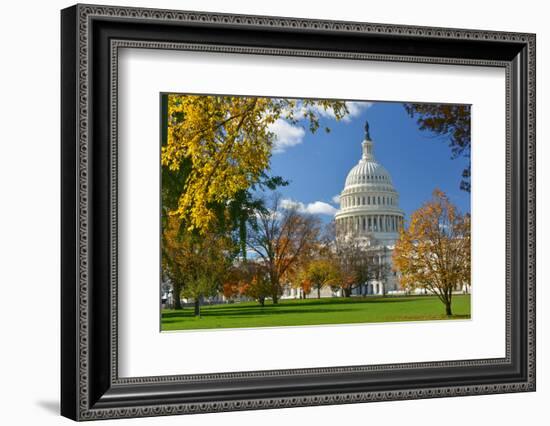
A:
x: 368, y: 172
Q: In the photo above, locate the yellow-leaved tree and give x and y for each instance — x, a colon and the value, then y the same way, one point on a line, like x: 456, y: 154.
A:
x: 433, y: 252
x: 225, y: 143
x: 322, y: 272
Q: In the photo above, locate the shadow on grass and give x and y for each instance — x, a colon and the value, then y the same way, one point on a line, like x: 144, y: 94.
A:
x: 310, y: 302
x: 244, y: 313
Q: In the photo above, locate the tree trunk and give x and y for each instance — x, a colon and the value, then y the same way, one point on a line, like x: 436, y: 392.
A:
x: 176, y: 296
x: 262, y: 301
x: 197, y: 307
x: 318, y: 292
x: 448, y: 310
x: 275, y: 290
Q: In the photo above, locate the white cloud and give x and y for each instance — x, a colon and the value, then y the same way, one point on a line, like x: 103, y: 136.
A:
x: 355, y: 109
x: 336, y: 199
x: 326, y: 113
x: 286, y: 135
x: 317, y: 207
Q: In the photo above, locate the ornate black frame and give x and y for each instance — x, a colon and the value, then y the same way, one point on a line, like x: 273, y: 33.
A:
x: 91, y: 37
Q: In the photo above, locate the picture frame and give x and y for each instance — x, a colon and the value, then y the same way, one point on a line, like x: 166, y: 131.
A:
x: 90, y: 385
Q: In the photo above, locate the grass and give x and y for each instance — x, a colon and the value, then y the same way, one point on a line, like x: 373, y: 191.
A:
x: 315, y: 312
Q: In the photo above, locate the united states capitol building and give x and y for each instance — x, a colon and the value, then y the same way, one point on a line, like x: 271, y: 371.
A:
x: 370, y: 214
x: 370, y: 218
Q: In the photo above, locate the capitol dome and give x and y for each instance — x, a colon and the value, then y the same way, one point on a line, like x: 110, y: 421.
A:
x: 368, y: 171
x: 369, y: 203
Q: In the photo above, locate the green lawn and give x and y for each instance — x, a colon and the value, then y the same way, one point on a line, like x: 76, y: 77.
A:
x: 316, y: 312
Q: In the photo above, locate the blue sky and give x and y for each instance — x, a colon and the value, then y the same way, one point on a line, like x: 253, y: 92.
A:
x: 317, y: 164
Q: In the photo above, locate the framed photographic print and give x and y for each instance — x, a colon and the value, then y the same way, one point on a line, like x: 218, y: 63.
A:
x: 263, y: 212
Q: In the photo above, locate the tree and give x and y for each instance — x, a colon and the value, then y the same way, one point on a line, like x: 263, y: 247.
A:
x: 452, y: 121
x: 280, y: 238
x: 196, y: 264
x: 231, y: 215
x: 173, y: 260
x: 297, y: 278
x: 221, y: 146
x: 305, y: 285
x: 434, y: 251
x: 355, y: 259
x: 350, y: 256
x: 248, y: 279
x: 322, y: 272
x: 258, y: 288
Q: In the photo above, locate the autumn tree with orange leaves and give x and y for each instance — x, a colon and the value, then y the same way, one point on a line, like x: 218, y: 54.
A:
x: 433, y: 252
x: 248, y: 279
x: 297, y: 277
x: 280, y: 238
